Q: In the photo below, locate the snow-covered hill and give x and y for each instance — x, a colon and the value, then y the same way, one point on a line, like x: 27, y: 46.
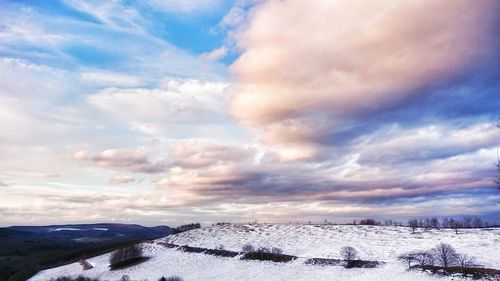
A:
x: 305, y: 241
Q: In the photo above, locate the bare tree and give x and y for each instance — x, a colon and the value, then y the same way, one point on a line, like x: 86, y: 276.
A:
x: 349, y: 254
x: 423, y: 258
x: 248, y: 248
x: 434, y: 222
x: 455, y: 224
x: 477, y: 223
x: 408, y: 258
x: 413, y: 224
x: 466, y: 261
x: 445, y: 254
x: 467, y: 222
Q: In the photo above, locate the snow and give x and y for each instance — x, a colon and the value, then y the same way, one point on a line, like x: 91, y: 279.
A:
x: 100, y: 229
x: 323, y: 241
x: 64, y: 229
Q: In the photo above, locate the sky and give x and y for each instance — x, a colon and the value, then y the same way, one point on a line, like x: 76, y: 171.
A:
x: 178, y: 111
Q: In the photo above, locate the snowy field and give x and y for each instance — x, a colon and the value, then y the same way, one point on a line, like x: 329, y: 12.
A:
x: 380, y: 243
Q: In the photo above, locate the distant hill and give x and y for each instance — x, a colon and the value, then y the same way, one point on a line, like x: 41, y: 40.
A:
x: 88, y: 232
x: 24, y: 250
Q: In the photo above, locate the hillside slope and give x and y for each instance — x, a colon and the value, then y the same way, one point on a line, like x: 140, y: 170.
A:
x: 372, y: 242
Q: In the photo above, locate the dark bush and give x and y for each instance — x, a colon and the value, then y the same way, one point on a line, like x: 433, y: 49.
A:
x: 267, y: 256
x: 168, y: 245
x: 363, y: 264
x: 221, y: 253
x: 190, y: 249
x: 126, y: 257
x: 337, y: 262
x: 474, y: 272
x: 187, y: 227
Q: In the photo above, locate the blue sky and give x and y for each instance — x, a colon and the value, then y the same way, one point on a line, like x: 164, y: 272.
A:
x: 162, y: 112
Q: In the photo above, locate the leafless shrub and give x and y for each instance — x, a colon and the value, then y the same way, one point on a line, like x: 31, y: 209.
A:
x: 445, y: 254
x: 455, y: 225
x: 465, y: 261
x: 407, y: 258
x: 413, y: 224
x: 349, y: 254
x: 424, y: 258
x: 247, y: 248
x: 276, y: 250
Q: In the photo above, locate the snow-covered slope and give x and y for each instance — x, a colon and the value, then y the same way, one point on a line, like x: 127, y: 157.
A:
x: 322, y: 241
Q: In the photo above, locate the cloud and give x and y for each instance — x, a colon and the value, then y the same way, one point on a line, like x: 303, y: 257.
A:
x: 196, y: 154
x: 172, y: 108
x: 110, y: 79
x: 81, y: 155
x: 388, y: 106
x: 120, y: 180
x: 185, y: 6
x: 397, y: 145
x: 124, y: 159
x: 215, y: 54
x: 113, y: 14
x: 308, y: 68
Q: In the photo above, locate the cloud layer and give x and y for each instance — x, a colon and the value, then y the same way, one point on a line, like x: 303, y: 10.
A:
x: 174, y: 111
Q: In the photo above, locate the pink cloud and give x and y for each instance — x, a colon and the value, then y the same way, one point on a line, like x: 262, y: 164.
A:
x: 307, y: 64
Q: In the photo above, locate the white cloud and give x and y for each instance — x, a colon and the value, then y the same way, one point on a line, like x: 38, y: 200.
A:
x: 121, y: 180
x: 176, y: 104
x: 110, y: 79
x: 185, y: 6
x: 215, y: 54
